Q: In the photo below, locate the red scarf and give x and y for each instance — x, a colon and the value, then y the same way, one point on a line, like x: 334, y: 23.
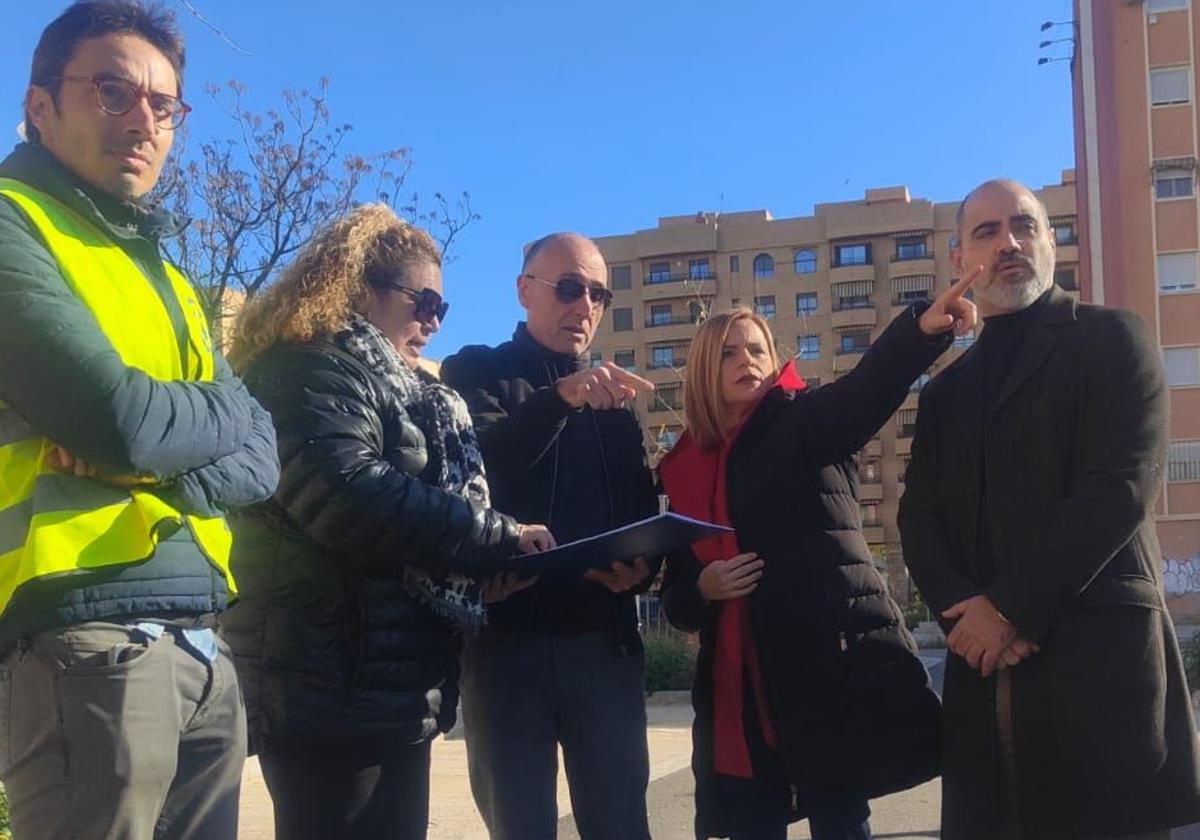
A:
x: 694, y: 479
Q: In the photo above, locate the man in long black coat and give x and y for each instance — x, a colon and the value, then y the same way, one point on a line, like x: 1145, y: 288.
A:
x: 1027, y: 523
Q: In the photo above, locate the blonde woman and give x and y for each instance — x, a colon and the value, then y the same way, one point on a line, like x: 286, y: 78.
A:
x: 809, y: 697
x: 358, y: 576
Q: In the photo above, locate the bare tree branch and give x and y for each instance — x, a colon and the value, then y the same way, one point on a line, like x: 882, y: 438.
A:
x: 256, y: 197
x: 196, y: 14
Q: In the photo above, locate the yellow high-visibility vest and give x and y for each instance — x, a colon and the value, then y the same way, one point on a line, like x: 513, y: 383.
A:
x: 52, y: 523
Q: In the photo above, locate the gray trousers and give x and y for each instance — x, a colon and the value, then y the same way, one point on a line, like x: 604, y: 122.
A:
x: 105, y: 733
x: 523, y: 695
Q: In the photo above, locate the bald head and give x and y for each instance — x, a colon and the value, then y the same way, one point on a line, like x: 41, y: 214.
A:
x: 993, y: 184
x: 562, y: 325
x: 562, y: 239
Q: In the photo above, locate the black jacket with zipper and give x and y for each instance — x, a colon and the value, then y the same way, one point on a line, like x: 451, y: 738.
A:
x: 578, y: 471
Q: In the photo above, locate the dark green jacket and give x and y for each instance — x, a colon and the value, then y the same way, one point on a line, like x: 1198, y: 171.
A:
x: 210, y: 445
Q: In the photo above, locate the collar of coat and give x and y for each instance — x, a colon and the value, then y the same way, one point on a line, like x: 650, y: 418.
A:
x: 1058, y: 309
x: 563, y: 364
x: 32, y: 164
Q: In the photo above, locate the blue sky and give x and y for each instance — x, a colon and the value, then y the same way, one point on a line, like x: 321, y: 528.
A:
x: 601, y: 117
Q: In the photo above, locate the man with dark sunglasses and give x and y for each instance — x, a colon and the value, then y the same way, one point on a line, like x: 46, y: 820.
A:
x: 559, y: 665
x: 125, y: 438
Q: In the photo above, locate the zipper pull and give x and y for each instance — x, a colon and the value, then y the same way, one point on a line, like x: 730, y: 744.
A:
x: 843, y: 645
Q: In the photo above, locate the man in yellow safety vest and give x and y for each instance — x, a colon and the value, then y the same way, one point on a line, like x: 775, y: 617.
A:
x: 124, y: 438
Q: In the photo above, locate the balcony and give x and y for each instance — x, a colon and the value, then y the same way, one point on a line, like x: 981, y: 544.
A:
x: 678, y: 327
x: 661, y: 286
x: 854, y: 316
x: 870, y: 491
x: 923, y: 264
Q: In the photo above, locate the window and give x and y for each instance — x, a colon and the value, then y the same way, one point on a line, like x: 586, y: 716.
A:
x: 597, y: 359
x: 1183, y: 460
x: 868, y: 472
x: 660, y: 313
x: 804, y: 261
x: 659, y: 273
x: 1170, y: 86
x: 764, y: 266
x: 1153, y: 6
x: 624, y: 358
x: 853, y: 341
x: 698, y: 270
x: 1064, y: 233
x: 666, y: 398
x: 764, y: 305
x: 1173, y: 183
x: 853, y: 295
x: 662, y: 357
x: 808, y: 347
x: 622, y: 319
x: 1182, y: 365
x: 667, y: 438
x: 620, y: 277
x: 1177, y: 272
x: 806, y: 304
x: 919, y: 383
x: 1065, y: 278
x: 910, y: 249
x: 735, y: 264
x: 851, y: 255
x: 906, y: 422
x: 909, y: 289
x: 870, y: 515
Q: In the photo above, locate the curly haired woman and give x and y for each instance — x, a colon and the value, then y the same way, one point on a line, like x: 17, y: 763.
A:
x: 378, y: 549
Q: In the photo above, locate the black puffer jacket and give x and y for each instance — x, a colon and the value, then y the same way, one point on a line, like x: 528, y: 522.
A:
x: 848, y: 697
x: 329, y: 645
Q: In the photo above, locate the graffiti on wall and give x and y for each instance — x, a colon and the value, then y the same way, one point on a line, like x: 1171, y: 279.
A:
x: 1181, y: 576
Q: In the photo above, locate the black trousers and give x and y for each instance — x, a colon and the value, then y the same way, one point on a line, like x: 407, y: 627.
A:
x: 523, y: 696
x: 357, y: 792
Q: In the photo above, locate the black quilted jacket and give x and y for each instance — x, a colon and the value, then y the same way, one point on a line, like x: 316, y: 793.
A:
x: 329, y: 645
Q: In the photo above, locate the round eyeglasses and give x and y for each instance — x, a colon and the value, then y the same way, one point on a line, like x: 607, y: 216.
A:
x: 117, y: 97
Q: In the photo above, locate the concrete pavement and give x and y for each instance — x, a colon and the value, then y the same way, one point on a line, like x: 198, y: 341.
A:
x: 452, y: 815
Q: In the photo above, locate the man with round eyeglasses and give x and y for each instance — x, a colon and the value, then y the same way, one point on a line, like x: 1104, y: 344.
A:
x: 124, y: 439
x: 559, y: 664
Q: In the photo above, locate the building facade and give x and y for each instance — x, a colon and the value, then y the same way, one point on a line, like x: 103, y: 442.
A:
x: 828, y: 283
x: 1134, y: 82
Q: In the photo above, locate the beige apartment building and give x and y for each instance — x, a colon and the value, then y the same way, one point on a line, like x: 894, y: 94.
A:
x: 1134, y: 78
x: 829, y: 283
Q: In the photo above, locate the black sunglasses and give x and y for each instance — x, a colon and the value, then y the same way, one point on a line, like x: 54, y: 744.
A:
x: 429, y: 304
x: 571, y: 289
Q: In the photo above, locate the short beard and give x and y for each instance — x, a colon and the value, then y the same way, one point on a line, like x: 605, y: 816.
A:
x: 1003, y: 296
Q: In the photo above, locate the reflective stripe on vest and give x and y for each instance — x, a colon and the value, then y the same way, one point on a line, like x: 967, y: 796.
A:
x: 52, y: 523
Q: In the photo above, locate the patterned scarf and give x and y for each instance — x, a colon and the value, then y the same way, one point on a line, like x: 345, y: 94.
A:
x: 442, y: 417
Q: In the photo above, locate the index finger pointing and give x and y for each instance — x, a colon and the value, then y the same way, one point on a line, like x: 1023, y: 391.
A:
x: 634, y: 381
